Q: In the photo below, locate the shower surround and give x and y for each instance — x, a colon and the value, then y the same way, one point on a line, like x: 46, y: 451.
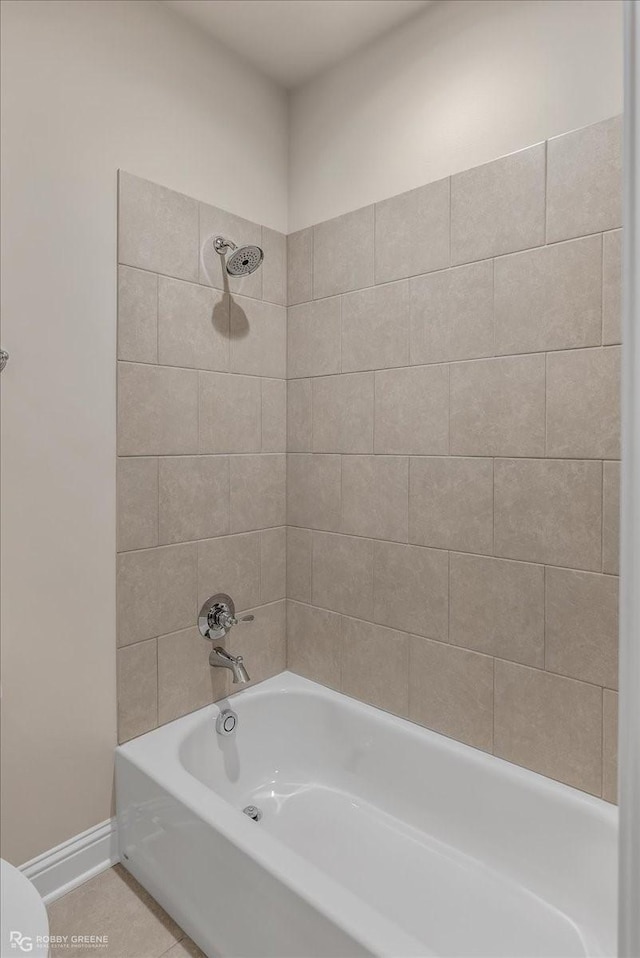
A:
x: 201, y: 451
x: 453, y: 443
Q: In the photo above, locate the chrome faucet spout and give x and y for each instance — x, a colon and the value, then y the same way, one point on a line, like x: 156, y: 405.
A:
x: 240, y: 674
x: 219, y: 658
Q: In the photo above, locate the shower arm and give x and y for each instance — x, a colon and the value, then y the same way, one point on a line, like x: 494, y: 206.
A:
x: 221, y: 245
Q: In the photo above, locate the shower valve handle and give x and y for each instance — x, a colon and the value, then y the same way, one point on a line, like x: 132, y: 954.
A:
x: 227, y: 620
x: 218, y: 616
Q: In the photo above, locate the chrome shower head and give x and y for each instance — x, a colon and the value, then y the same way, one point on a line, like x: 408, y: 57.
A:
x: 242, y: 261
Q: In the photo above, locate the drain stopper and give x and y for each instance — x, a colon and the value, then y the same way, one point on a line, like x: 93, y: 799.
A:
x: 253, y: 812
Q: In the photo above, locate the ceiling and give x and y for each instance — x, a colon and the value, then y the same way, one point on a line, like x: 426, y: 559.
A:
x: 293, y: 40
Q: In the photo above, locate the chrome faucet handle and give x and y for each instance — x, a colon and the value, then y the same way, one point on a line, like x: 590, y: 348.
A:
x: 218, y: 616
x: 226, y: 619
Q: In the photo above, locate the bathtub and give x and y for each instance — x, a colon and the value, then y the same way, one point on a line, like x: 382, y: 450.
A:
x: 377, y: 837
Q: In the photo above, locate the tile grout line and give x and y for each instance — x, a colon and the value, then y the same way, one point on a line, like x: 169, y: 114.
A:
x: 546, y: 408
x: 158, y: 495
x: 493, y: 507
x: 602, y: 289
x: 493, y: 710
x: 493, y: 304
x: 602, y: 517
x: 544, y: 617
x: 602, y: 756
x: 592, y: 347
x: 451, y: 645
x: 546, y: 192
x: 413, y: 276
x: 433, y: 548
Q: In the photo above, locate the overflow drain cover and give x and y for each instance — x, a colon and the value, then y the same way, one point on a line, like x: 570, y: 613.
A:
x: 253, y: 812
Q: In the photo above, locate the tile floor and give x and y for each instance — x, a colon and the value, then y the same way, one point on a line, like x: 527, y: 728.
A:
x: 114, y: 904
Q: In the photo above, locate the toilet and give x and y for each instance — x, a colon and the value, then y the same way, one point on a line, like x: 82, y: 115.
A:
x: 23, y: 917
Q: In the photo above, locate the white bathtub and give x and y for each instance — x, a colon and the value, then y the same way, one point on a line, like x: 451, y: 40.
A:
x: 378, y: 837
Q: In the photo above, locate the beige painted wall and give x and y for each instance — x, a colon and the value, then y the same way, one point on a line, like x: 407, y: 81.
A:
x: 458, y: 86
x: 87, y: 88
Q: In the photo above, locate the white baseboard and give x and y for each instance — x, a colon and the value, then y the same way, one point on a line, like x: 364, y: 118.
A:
x: 58, y: 871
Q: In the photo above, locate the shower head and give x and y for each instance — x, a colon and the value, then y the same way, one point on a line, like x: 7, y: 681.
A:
x: 242, y: 261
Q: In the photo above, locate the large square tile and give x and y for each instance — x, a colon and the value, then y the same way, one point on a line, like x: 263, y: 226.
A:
x: 611, y: 518
x: 343, y: 253
x: 274, y: 267
x: 314, y: 497
x: 451, y: 503
x: 498, y: 407
x: 550, y: 724
x: 300, y: 266
x: 230, y: 410
x: 157, y: 228
x: 375, y: 496
x: 610, y: 746
x: 452, y: 314
x: 299, y: 564
x: 313, y: 338
x: 137, y: 503
x: 612, y: 287
x: 583, y: 403
x: 412, y: 411
x: 193, y: 325
x: 137, y: 315
x: 410, y: 588
x: 412, y: 232
x: 314, y: 643
x: 273, y: 564
x: 375, y: 327
x: 343, y: 574
x: 194, y: 497
x: 497, y: 607
x: 230, y: 564
x: 258, y: 492
x: 582, y: 626
x: 137, y: 670
x: 343, y: 413
x: 451, y: 691
x: 549, y: 511
x: 157, y: 410
x: 258, y: 338
x: 499, y: 207
x: 156, y: 592
x: 364, y: 648
x: 584, y: 181
x: 299, y: 415
x: 274, y: 415
x: 549, y: 298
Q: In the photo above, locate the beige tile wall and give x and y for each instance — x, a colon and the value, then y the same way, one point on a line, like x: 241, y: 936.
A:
x: 202, y: 405
x: 445, y: 522
x: 453, y: 437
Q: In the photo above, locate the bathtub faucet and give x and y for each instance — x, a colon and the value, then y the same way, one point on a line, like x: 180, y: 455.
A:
x: 219, y: 658
x: 217, y: 617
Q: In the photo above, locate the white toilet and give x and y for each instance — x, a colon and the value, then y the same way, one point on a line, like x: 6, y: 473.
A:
x: 23, y: 917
